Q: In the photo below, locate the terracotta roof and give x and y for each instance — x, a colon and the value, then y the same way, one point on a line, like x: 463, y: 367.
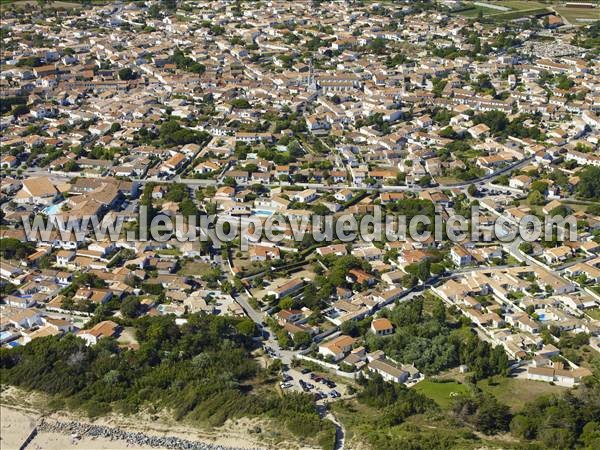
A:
x: 381, y: 324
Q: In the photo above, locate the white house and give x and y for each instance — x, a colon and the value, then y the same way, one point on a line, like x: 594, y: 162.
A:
x: 337, y: 348
x: 460, y: 256
x: 305, y: 196
x: 106, y: 328
x: 344, y: 195
x: 382, y: 327
x: 558, y: 374
x: 388, y: 371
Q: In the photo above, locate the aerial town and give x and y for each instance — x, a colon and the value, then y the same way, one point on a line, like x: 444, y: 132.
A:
x: 240, y: 114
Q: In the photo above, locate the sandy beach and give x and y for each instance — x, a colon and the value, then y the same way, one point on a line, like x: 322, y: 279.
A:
x: 21, y: 411
x: 16, y: 425
x: 55, y: 441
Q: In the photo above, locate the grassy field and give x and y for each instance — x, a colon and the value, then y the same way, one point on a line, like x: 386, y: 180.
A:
x: 514, y: 6
x: 474, y: 12
x: 576, y: 206
x: 518, y: 9
x: 519, y: 5
x: 364, y: 427
x: 447, y: 180
x: 169, y: 252
x: 594, y: 313
x: 521, y: 8
x: 441, y: 393
x: 516, y: 392
x: 572, y: 14
x: 194, y: 268
x: 519, y: 14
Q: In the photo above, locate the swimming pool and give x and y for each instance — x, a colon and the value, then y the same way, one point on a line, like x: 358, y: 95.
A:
x: 263, y: 212
x: 52, y: 209
x: 7, y: 336
x: 4, y: 335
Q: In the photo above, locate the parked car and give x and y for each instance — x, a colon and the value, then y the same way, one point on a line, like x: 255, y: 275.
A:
x: 328, y: 383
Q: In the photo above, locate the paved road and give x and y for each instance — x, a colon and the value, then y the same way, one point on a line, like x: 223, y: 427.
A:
x: 34, y: 172
x: 486, y: 178
x: 257, y: 317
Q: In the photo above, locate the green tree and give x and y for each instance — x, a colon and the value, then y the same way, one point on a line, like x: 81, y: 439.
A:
x: 302, y: 339
x: 286, y: 303
x: 13, y: 248
x: 130, y: 306
x: 246, y: 327
x: 526, y: 247
x: 535, y: 198
x: 20, y: 110
x: 522, y: 427
x: 127, y: 73
x: 350, y: 327
x: 492, y: 416
x: 589, y: 183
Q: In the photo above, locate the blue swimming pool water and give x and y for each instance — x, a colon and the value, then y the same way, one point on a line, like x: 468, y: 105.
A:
x: 263, y: 212
x: 52, y: 209
x: 4, y: 335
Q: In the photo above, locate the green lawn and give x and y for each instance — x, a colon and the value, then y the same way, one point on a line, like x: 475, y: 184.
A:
x: 515, y: 392
x: 578, y: 206
x: 572, y: 14
x: 474, y: 12
x: 519, y: 14
x: 441, y: 393
x: 194, y: 268
x: 514, y: 6
x: 447, y: 180
x: 519, y: 5
x: 169, y: 252
x: 510, y: 391
x: 517, y: 10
